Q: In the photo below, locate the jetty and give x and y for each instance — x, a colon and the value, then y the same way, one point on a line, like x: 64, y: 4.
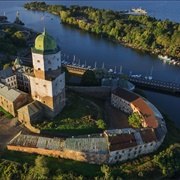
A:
x: 157, y: 85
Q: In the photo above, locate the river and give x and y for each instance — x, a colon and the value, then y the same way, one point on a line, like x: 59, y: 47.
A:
x: 90, y: 48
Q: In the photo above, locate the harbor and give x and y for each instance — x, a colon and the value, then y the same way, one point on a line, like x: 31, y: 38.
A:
x: 147, y: 82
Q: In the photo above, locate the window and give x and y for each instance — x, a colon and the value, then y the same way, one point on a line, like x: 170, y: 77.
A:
x: 36, y: 83
x: 39, y: 68
x: 49, y: 62
x: 49, y: 69
x: 44, y: 85
x: 38, y: 61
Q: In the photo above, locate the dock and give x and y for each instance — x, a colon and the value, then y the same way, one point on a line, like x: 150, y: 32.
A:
x: 157, y: 85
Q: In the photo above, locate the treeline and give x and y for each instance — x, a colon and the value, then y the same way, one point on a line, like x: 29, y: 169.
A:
x: 12, y: 40
x: 142, y: 32
x: 165, y: 164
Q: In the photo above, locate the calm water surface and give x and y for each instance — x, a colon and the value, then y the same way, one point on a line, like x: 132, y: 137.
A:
x: 91, y: 48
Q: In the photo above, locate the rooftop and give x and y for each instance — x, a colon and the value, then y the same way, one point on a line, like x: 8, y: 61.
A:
x: 9, y: 93
x: 5, y: 73
x: 126, y: 95
x: 146, y: 112
x: 148, y: 135
x: 91, y: 145
x: 121, y: 141
x: 31, y: 108
x: 37, y: 142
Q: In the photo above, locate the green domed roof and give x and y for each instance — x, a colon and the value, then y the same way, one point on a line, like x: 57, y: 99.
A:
x: 45, y: 42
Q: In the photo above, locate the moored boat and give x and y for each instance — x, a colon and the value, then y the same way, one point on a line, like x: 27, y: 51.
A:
x: 166, y: 58
x: 139, y: 11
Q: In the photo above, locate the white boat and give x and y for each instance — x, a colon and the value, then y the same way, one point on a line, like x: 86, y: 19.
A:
x: 139, y: 11
x: 166, y: 58
x: 110, y: 71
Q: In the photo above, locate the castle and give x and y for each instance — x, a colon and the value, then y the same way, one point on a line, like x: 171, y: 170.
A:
x: 41, y: 91
x: 44, y: 83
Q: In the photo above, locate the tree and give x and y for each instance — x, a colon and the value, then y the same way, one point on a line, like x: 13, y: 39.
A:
x: 107, y: 172
x: 135, y: 120
x: 89, y: 78
x: 6, y: 66
x: 40, y: 171
x: 101, y: 124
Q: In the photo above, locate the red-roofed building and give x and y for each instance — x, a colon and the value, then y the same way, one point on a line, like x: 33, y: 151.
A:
x: 129, y: 102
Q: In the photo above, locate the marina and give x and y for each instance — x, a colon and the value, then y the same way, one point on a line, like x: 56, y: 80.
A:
x: 138, y: 80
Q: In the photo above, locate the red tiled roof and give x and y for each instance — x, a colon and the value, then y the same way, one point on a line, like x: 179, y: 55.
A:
x: 146, y: 112
x: 148, y: 135
x: 121, y: 141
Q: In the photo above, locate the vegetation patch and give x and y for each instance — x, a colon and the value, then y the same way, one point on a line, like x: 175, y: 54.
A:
x: 5, y: 113
x: 134, y: 120
x: 81, y: 115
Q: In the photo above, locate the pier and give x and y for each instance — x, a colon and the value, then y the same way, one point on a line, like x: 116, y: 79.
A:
x: 152, y: 84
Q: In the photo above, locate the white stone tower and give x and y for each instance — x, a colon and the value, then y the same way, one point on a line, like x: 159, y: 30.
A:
x: 48, y: 82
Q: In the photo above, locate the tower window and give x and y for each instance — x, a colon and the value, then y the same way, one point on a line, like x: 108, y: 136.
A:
x: 39, y: 68
x: 38, y: 61
x: 49, y: 62
x: 49, y: 69
x: 44, y: 85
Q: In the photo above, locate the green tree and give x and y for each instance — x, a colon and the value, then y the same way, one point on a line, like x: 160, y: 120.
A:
x: 6, y: 66
x: 135, y: 120
x: 89, y: 78
x: 101, y: 124
x: 106, y: 170
x: 40, y: 171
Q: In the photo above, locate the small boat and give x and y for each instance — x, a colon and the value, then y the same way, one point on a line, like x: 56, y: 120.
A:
x: 110, y: 71
x: 139, y: 11
x: 166, y: 58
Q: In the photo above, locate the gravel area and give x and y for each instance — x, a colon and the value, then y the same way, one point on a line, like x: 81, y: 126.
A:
x: 8, y: 129
x: 117, y: 118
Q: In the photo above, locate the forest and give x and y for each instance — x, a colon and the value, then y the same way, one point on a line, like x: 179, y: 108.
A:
x: 141, y: 32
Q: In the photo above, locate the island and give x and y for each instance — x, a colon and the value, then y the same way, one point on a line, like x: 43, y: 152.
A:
x: 137, y: 31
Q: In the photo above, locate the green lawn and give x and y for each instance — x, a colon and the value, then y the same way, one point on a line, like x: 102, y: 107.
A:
x: 79, y: 116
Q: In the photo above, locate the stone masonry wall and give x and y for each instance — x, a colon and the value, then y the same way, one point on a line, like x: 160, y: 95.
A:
x: 95, y: 91
x: 68, y: 154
